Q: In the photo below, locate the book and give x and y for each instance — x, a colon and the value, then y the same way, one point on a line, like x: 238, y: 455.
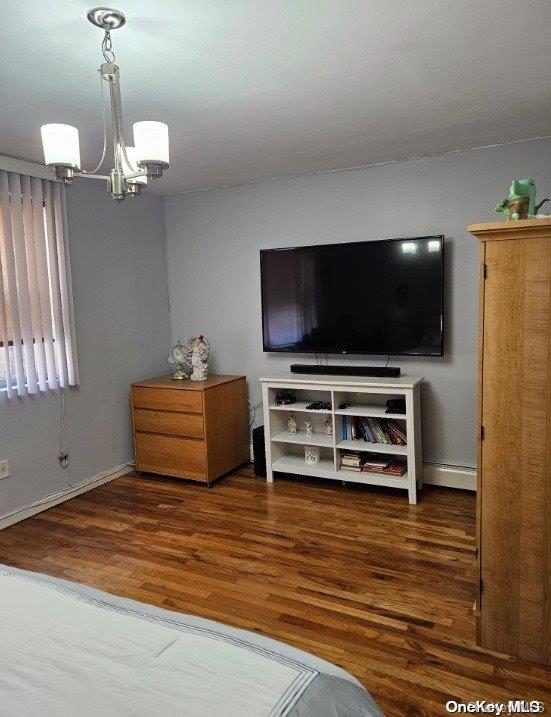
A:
x: 360, y: 430
x: 394, y: 436
x: 351, y: 461
x: 372, y: 463
x: 379, y: 433
x: 395, y: 467
x: 369, y: 437
x: 398, y: 429
x: 373, y: 430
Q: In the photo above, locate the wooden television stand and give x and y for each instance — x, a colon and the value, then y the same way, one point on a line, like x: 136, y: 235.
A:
x: 285, y: 451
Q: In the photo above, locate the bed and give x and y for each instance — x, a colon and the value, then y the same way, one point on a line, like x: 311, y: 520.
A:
x: 68, y: 649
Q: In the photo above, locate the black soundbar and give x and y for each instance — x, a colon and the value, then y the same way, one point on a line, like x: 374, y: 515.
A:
x: 377, y: 371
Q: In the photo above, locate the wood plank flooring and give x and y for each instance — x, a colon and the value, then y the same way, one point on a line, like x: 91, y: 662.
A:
x: 357, y: 576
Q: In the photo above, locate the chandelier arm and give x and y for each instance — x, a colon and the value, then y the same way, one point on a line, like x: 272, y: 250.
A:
x: 133, y: 175
x: 125, y: 155
x: 104, y: 120
x: 89, y: 175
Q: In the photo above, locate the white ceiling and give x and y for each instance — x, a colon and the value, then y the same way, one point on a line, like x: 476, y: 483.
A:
x: 270, y: 88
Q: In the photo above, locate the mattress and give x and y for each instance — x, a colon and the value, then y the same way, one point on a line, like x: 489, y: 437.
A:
x: 68, y: 649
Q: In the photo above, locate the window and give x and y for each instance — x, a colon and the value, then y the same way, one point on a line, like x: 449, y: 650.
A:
x: 37, y: 338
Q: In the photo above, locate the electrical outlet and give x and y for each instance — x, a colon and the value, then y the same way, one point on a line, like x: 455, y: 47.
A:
x: 63, y: 458
x: 4, y: 469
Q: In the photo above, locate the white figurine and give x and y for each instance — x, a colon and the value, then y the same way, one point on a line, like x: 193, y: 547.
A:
x: 308, y: 427
x: 198, y: 352
x: 329, y: 426
x: 178, y: 358
x: 311, y: 454
x: 292, y: 424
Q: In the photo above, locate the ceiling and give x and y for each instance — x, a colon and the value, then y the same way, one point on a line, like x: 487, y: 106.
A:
x: 263, y: 89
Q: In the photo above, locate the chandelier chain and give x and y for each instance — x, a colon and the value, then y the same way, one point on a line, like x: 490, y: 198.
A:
x: 107, y: 47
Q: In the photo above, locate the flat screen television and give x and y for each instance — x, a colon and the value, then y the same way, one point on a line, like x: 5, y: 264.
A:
x: 372, y: 297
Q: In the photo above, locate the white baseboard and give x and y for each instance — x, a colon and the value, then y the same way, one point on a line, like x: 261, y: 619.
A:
x: 433, y: 474
x: 55, y: 498
x: 449, y: 476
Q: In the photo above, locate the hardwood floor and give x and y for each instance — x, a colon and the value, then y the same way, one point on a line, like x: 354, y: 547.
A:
x: 354, y: 575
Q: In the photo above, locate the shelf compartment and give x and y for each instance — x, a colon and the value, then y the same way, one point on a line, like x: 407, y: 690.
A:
x: 369, y: 411
x: 297, y: 465
x: 359, y: 445
x: 302, y: 438
x: 299, y: 407
x: 371, y: 478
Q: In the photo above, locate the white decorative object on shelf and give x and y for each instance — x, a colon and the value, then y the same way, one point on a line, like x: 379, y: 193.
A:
x: 328, y: 426
x: 292, y: 424
x: 198, y: 350
x: 308, y: 427
x: 178, y: 358
x: 311, y: 454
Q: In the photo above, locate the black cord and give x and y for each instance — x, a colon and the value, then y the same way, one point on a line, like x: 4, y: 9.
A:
x: 387, y: 361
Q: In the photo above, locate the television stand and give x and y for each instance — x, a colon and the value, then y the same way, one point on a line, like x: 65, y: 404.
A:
x: 285, y: 451
x: 374, y: 371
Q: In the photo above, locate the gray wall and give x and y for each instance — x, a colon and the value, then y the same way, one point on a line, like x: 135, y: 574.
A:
x: 213, y: 238
x: 122, y: 332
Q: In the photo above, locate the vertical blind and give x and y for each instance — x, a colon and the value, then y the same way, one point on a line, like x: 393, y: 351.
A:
x: 37, y: 336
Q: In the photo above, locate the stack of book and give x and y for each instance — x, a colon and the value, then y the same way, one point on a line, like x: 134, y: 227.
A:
x: 373, y: 463
x: 351, y: 461
x: 373, y: 430
x: 386, y: 465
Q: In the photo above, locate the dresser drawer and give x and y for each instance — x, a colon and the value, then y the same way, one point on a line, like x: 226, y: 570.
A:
x: 167, y: 399
x: 169, y: 422
x: 171, y: 455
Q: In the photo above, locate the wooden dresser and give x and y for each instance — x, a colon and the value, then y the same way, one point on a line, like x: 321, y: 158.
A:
x: 190, y: 429
x: 514, y: 445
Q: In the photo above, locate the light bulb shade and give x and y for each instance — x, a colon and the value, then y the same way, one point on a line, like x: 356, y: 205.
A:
x: 151, y: 142
x: 61, y: 145
x: 132, y: 167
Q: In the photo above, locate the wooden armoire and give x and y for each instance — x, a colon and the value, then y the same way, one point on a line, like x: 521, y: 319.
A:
x: 514, y: 445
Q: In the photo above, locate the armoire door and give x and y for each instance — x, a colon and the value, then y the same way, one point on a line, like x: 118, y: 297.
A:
x: 515, y: 455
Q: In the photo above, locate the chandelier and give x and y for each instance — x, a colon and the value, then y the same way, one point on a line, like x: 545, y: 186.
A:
x: 133, y: 166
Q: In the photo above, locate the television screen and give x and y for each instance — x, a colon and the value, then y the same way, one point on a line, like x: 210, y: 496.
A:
x: 374, y: 297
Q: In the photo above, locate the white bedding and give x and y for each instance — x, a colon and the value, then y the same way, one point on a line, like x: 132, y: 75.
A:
x: 67, y: 649
x: 59, y: 649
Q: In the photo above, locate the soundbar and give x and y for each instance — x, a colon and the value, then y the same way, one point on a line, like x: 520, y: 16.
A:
x: 377, y: 371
